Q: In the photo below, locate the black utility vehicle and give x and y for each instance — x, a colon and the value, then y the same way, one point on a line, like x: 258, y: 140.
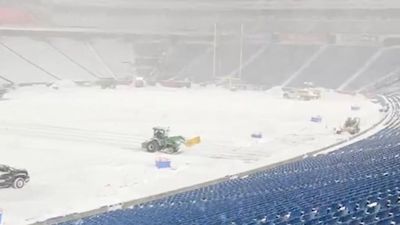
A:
x: 11, y: 177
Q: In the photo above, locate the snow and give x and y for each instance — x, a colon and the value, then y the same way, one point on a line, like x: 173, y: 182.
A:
x: 82, y: 145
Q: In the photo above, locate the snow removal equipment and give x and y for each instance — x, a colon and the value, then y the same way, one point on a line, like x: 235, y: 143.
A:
x: 352, y: 126
x: 162, y: 142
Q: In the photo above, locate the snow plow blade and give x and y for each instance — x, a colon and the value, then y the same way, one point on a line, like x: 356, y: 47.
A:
x: 193, y: 141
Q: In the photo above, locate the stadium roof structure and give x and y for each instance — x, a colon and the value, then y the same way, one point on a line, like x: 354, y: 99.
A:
x: 232, y: 4
x: 196, y: 19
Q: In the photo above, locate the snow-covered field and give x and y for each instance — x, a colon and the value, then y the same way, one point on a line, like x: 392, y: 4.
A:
x: 82, y: 145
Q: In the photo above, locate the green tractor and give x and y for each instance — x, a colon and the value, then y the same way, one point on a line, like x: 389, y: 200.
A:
x: 161, y: 142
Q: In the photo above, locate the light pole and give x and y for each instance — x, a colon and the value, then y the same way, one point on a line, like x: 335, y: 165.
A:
x: 215, y: 51
x: 241, y: 51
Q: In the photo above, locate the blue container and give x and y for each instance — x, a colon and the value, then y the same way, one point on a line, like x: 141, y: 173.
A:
x: 163, y: 163
x: 256, y: 135
x: 316, y: 119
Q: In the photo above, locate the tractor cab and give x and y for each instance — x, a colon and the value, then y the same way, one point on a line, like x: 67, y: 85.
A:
x: 160, y: 132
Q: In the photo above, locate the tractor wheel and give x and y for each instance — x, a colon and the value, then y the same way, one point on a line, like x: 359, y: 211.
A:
x: 175, y: 150
x: 153, y: 146
x: 172, y: 149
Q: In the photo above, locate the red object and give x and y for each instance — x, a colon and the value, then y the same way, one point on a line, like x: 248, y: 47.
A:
x: 14, y: 16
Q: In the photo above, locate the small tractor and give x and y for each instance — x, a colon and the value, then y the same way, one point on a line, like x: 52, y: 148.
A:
x: 162, y: 142
x: 352, y: 126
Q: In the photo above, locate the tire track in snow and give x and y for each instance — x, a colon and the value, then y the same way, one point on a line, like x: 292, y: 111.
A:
x: 216, y: 150
x: 73, y: 134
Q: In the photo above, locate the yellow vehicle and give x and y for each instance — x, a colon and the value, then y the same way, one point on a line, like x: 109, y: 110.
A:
x: 306, y: 94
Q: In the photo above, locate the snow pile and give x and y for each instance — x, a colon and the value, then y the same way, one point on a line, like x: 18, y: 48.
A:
x: 275, y: 91
x: 63, y: 84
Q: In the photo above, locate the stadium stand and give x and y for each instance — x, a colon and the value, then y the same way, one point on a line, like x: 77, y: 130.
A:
x: 15, y: 16
x: 200, y: 68
x: 18, y: 69
x: 266, y: 64
x: 277, y: 63
x: 227, y: 58
x: 177, y: 56
x: 356, y: 184
x: 116, y: 55
x: 385, y: 64
x: 147, y: 55
x: 45, y: 56
x: 334, y: 66
x: 386, y: 86
x: 79, y: 53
